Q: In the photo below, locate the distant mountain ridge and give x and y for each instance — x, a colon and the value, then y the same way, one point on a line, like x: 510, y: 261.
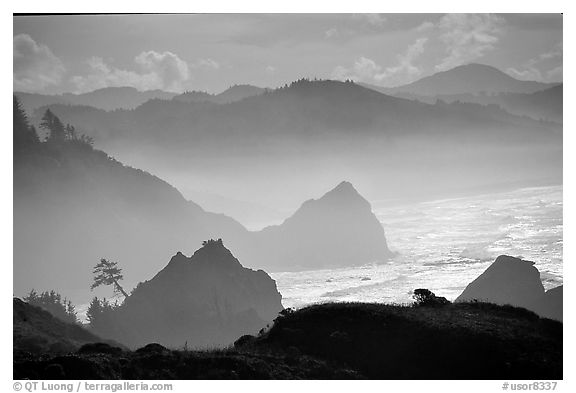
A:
x: 232, y: 94
x: 108, y: 98
x: 127, y: 98
x: 308, y: 108
x: 468, y: 79
x: 325, y: 124
x: 541, y: 105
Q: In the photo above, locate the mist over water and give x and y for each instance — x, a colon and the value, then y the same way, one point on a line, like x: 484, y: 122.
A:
x: 443, y: 245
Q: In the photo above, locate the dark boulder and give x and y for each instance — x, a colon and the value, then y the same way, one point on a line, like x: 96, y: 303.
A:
x: 514, y: 282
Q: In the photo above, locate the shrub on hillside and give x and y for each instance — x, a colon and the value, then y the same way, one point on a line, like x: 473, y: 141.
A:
x: 425, y: 297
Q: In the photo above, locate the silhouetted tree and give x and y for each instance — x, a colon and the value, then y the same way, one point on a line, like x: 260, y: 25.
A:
x: 23, y: 133
x: 94, y: 311
x: 70, y: 132
x: 51, y: 123
x: 108, y: 273
x: 85, y: 140
x: 52, y: 302
x: 212, y: 242
x: 100, y: 315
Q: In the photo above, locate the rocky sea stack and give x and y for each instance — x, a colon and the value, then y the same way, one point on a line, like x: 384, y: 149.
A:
x: 206, y: 300
x: 515, y: 282
x: 339, y: 229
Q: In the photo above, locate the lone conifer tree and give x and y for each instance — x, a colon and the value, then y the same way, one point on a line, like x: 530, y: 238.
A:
x: 51, y: 123
x: 108, y: 273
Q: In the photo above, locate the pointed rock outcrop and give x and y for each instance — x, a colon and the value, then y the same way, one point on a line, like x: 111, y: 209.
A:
x: 339, y: 229
x: 206, y: 300
x: 515, y: 282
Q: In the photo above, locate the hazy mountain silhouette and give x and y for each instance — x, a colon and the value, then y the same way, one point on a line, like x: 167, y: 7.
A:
x: 32, y: 101
x: 111, y: 98
x: 36, y: 331
x: 74, y: 205
x: 254, y: 214
x: 232, y: 94
x: 305, y: 108
x: 108, y: 98
x: 542, y: 105
x: 336, y: 230
x: 194, y: 96
x: 206, y: 300
x: 332, y: 127
x: 237, y: 93
x: 515, y: 282
x: 467, y: 79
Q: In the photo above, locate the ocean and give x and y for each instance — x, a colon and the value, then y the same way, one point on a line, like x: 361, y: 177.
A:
x: 443, y: 245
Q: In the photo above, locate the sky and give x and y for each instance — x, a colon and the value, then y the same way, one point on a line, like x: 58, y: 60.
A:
x: 211, y: 52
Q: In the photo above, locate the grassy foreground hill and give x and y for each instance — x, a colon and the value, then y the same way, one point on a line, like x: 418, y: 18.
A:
x: 344, y: 341
x: 37, y: 332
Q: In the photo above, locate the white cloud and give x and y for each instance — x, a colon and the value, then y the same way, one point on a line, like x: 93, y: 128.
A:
x: 341, y: 73
x: 167, y: 66
x: 533, y: 69
x: 356, y: 25
x: 425, y: 26
x: 367, y: 70
x: 35, y: 66
x: 405, y: 65
x: 270, y: 70
x: 468, y: 37
x: 363, y: 69
x: 372, y: 19
x: 207, y: 64
x: 527, y: 74
x: 155, y: 70
x: 330, y: 33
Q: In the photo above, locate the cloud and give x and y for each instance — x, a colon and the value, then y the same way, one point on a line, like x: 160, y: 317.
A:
x: 270, y: 70
x: 207, y: 64
x: 367, y: 70
x: 405, y: 60
x: 35, y: 66
x: 425, y: 26
x: 376, y: 20
x: 154, y: 70
x: 527, y: 74
x: 363, y: 69
x: 468, y: 37
x: 355, y: 25
x: 330, y: 33
x: 533, y: 69
x: 167, y: 66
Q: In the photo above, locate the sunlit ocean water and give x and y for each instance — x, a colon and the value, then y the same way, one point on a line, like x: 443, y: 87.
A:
x: 443, y: 245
